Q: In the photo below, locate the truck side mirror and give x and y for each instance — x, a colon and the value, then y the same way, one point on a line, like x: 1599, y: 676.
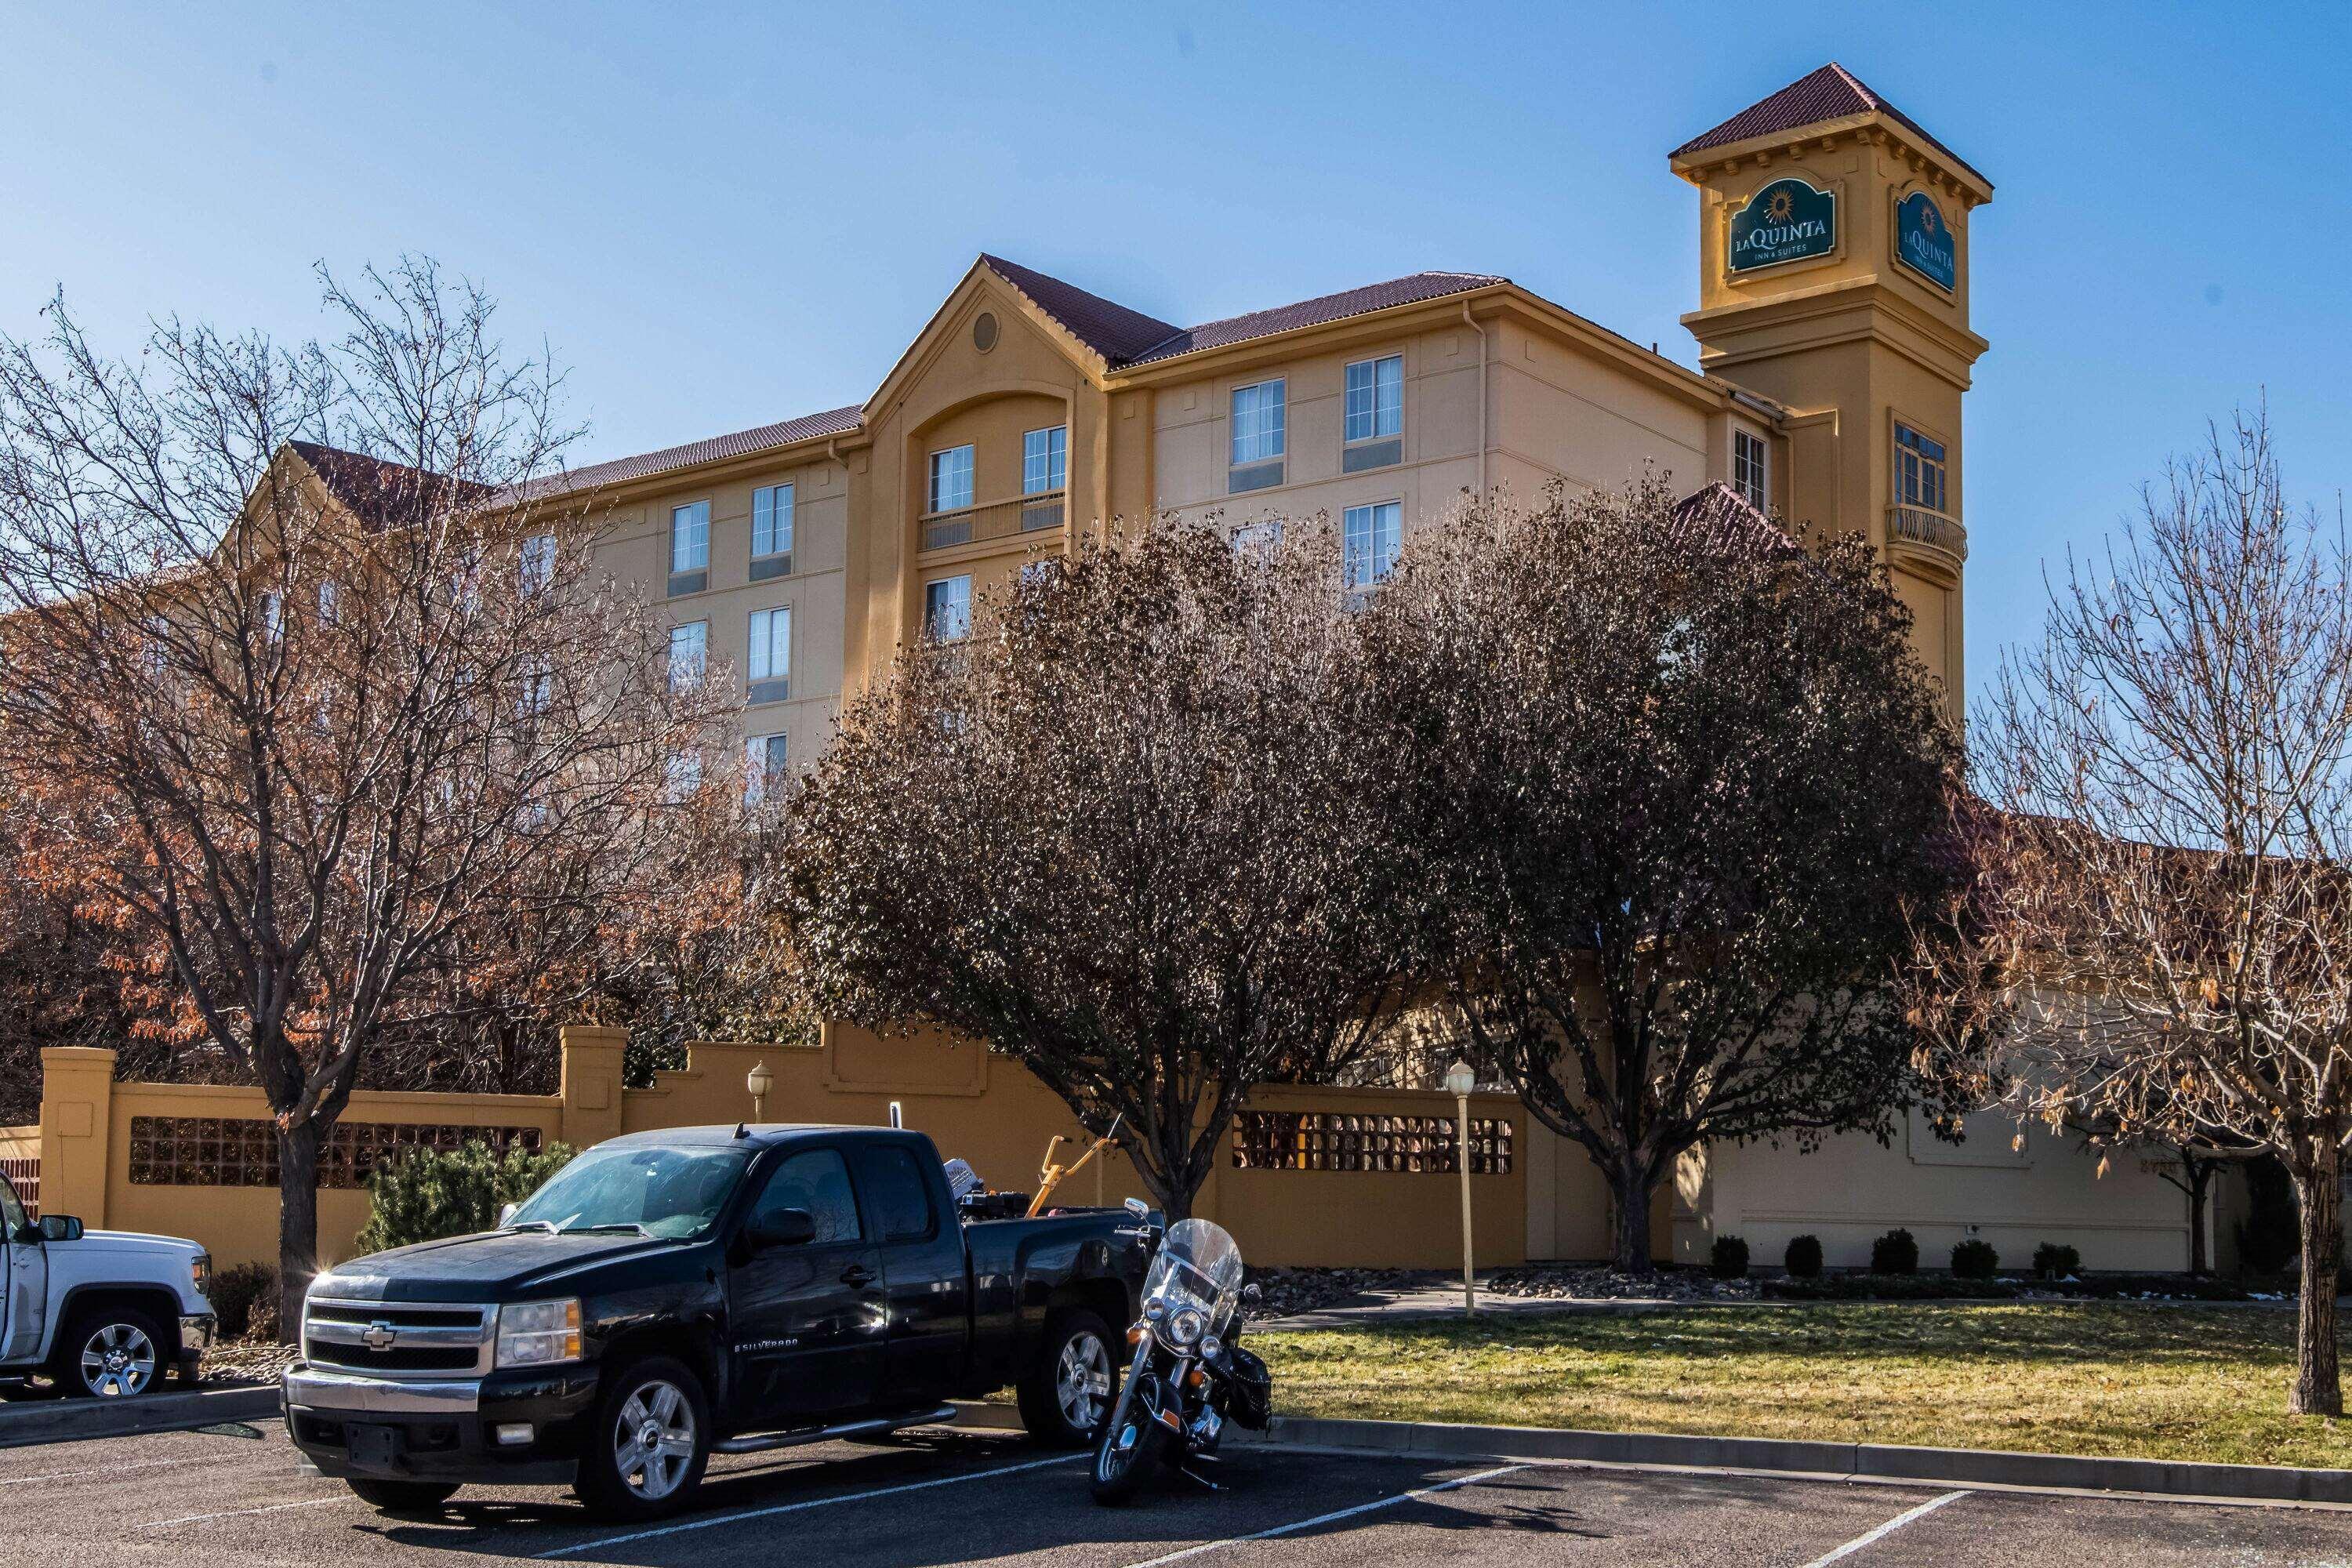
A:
x: 507, y: 1214
x: 60, y: 1227
x: 1139, y: 1208
x: 783, y: 1228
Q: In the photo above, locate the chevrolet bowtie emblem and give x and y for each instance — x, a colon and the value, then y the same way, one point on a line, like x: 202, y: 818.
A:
x: 380, y: 1336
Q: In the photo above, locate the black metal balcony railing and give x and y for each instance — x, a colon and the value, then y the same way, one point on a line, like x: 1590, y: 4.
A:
x: 997, y: 520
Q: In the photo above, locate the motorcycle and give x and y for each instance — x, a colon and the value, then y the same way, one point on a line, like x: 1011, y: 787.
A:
x: 1189, y: 1375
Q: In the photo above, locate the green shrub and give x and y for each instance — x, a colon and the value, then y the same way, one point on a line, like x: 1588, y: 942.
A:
x: 1730, y: 1259
x: 2056, y: 1261
x: 1974, y: 1259
x: 1897, y: 1252
x: 242, y: 1295
x: 427, y: 1194
x: 1803, y: 1259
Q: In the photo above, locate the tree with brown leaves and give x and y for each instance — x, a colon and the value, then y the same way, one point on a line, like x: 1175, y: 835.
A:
x: 1676, y: 787
x: 307, y: 667
x: 1130, y: 830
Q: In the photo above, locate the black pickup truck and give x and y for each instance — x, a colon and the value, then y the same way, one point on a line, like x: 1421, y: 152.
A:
x: 669, y: 1295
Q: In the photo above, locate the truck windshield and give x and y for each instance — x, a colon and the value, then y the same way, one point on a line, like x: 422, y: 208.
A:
x: 674, y: 1193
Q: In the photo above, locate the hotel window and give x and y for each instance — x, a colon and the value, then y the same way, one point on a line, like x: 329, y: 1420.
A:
x: 1375, y: 398
x: 1918, y: 469
x: 1258, y: 539
x: 538, y: 685
x: 1748, y: 469
x: 682, y: 775
x: 273, y: 614
x: 1044, y: 460
x: 331, y: 601
x: 772, y: 532
x: 763, y: 762
x: 1258, y: 411
x: 538, y: 561
x: 947, y: 608
x: 771, y: 654
x: 1369, y: 538
x: 951, y: 479
x: 689, y: 651
x: 689, y: 548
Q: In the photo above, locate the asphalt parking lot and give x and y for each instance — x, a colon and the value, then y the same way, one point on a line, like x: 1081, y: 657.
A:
x: 937, y: 1498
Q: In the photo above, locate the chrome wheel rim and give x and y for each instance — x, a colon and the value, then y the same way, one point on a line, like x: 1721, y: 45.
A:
x: 1082, y: 1380
x: 652, y: 1440
x: 118, y: 1360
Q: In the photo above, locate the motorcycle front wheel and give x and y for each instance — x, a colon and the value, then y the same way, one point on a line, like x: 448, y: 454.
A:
x: 1128, y: 1454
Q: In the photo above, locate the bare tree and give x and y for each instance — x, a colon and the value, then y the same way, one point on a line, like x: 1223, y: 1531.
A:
x: 2168, y: 928
x: 1679, y: 785
x: 1130, y: 832
x: 306, y: 662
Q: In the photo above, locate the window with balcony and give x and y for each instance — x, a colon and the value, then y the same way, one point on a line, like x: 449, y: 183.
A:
x: 772, y: 532
x: 1044, y: 475
x: 1260, y: 413
x: 689, y: 547
x: 1372, y: 423
x: 951, y: 479
x: 947, y: 608
x: 1919, y: 471
x: 1369, y: 538
x: 689, y: 653
x: 1747, y: 475
x: 771, y: 661
x: 763, y: 766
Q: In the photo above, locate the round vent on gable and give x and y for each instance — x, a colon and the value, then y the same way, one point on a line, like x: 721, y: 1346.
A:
x: 984, y: 332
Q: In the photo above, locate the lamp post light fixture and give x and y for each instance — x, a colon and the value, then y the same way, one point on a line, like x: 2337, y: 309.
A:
x: 1460, y: 1079
x: 759, y: 1081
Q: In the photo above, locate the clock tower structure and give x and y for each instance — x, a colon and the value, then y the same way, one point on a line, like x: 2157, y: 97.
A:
x: 1833, y: 279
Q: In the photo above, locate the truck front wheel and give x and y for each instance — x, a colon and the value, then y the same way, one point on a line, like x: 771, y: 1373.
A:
x: 1069, y: 1387
x: 110, y: 1352
x: 651, y: 1439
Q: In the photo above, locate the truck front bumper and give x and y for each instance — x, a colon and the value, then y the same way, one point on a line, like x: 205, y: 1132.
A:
x: 196, y: 1331
x: 457, y: 1430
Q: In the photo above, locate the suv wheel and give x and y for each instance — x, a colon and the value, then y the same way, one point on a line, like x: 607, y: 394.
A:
x: 110, y: 1352
x: 1068, y: 1390
x: 646, y: 1453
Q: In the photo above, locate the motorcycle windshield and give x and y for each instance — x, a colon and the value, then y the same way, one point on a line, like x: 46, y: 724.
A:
x: 1199, y: 1266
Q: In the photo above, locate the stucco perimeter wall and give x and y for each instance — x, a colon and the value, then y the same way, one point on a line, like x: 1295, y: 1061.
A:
x: 1852, y: 1190
x: 983, y: 1107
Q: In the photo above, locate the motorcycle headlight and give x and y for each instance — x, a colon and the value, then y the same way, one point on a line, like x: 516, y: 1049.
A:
x: 539, y: 1333
x: 1187, y: 1325
x: 1155, y: 1309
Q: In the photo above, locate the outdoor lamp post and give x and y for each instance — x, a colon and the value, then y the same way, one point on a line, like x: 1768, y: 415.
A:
x: 758, y: 1083
x: 1461, y: 1078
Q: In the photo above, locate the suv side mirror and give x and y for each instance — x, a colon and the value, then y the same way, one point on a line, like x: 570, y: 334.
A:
x: 784, y: 1227
x: 60, y: 1227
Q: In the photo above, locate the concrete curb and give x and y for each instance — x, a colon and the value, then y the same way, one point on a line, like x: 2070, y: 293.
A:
x: 66, y: 1420
x: 1774, y: 1456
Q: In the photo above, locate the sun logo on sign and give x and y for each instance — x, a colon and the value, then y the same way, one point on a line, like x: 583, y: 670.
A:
x: 1781, y: 207
x: 1927, y: 217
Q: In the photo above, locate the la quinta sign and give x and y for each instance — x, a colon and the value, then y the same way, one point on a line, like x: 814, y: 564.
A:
x: 1788, y: 220
x: 1923, y: 239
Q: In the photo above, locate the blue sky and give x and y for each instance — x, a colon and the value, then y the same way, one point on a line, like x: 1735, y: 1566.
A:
x: 721, y: 216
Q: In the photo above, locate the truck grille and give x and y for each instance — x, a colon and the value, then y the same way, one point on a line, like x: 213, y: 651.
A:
x: 394, y: 1339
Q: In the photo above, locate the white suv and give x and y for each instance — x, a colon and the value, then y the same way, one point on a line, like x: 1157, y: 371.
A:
x: 105, y: 1312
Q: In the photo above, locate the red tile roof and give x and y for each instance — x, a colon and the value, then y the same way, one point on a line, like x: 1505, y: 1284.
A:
x: 1831, y: 92
x: 1407, y: 290
x: 743, y: 442
x: 379, y: 494
x: 1718, y: 520
x: 1110, y: 329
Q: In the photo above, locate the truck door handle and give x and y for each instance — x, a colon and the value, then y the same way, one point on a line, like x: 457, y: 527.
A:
x: 856, y: 1274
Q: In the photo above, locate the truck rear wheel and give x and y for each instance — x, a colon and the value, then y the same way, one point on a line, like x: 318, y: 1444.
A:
x: 1068, y: 1390
x: 646, y: 1449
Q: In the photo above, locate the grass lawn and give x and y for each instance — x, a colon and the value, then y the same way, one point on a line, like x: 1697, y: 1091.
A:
x: 2149, y: 1382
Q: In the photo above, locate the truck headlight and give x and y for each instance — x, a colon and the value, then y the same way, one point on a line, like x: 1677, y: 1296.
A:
x: 199, y: 1271
x: 539, y: 1333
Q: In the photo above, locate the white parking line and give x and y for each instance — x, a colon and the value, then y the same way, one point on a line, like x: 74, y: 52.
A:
x: 95, y: 1471
x: 602, y: 1542
x: 1459, y: 1481
x: 1883, y: 1531
x: 238, y: 1512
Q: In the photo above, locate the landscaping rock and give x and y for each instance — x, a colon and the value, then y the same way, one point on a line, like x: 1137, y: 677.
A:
x: 1592, y: 1283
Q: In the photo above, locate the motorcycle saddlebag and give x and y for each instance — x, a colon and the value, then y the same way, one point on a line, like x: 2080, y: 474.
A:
x: 1252, y: 1400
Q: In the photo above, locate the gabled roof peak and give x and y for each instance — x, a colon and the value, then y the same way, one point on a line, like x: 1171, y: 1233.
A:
x: 1831, y: 92
x: 1106, y: 326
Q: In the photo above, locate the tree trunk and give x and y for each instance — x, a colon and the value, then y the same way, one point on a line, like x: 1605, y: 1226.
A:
x: 298, y: 1224
x: 2318, y: 1391
x: 2200, y: 1188
x: 1630, y: 1186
